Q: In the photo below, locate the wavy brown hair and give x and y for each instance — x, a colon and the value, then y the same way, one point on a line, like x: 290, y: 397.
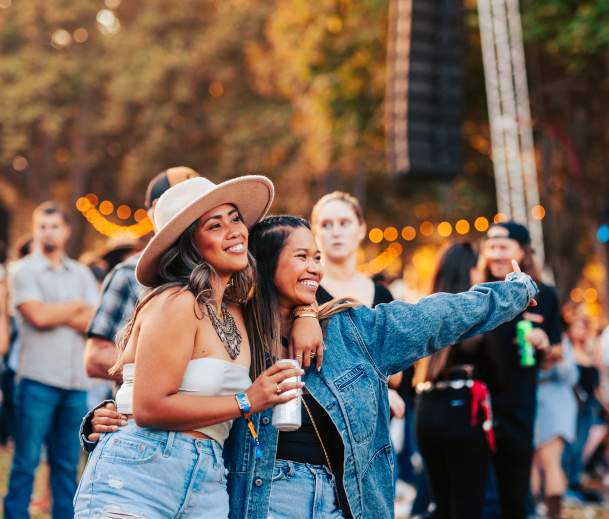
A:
x: 181, y: 266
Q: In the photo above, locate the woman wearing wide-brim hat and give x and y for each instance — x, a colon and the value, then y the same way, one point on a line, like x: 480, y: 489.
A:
x: 185, y: 359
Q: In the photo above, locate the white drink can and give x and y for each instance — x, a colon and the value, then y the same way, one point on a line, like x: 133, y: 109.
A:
x: 287, y: 417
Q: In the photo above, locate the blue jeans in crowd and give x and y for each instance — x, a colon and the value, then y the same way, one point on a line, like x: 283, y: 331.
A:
x: 141, y: 472
x: 573, y: 455
x: 45, y: 414
x: 302, y: 491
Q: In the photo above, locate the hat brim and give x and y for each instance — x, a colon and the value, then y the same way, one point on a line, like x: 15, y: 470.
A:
x: 252, y: 195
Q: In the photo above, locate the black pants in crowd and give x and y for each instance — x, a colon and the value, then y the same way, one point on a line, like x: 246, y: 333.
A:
x: 512, y: 463
x: 456, y: 454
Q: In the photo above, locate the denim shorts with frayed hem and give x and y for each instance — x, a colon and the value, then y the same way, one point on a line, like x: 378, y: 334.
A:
x: 149, y: 474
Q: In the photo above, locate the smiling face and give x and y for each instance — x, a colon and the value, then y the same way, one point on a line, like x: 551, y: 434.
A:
x: 338, y: 230
x: 299, y: 270
x: 499, y: 250
x: 221, y: 238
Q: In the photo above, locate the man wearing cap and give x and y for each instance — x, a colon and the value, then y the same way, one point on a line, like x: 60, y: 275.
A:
x: 514, y: 386
x: 121, y: 291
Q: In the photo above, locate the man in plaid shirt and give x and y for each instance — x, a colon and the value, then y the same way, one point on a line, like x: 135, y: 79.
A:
x: 121, y: 291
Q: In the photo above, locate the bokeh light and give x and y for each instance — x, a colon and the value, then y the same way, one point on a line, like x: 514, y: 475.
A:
x: 83, y: 204
x: 395, y: 249
x: 80, y: 35
x: 500, y: 217
x: 391, y: 234
x: 375, y: 235
x: 481, y: 224
x: 462, y: 226
x: 20, y: 163
x: 590, y: 295
x: 426, y: 228
x: 140, y: 215
x: 123, y: 212
x: 577, y: 295
x: 107, y: 22
x: 445, y: 229
x: 106, y: 207
x: 538, y: 212
x: 61, y: 38
x: 409, y: 233
x: 603, y: 233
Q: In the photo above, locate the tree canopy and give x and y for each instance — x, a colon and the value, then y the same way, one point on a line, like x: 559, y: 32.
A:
x: 99, y: 97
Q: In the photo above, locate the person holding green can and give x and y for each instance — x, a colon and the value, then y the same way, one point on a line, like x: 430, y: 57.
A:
x: 518, y: 345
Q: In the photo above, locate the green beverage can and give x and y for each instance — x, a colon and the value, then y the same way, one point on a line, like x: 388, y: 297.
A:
x: 527, y: 352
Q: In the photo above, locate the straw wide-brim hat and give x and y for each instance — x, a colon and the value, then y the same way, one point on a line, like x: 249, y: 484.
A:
x: 187, y: 201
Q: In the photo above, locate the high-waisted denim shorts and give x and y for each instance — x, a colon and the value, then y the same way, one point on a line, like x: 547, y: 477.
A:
x: 144, y: 473
x: 302, y: 491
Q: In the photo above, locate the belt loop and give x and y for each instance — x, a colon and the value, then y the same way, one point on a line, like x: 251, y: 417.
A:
x: 290, y: 468
x: 217, y: 454
x: 170, y: 439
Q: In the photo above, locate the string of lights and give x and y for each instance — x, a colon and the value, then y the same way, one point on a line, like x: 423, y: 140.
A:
x: 444, y: 229
x: 97, y: 215
x: 392, y: 253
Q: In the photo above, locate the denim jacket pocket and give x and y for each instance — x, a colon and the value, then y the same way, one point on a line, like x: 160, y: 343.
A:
x: 359, y: 399
x: 130, y: 450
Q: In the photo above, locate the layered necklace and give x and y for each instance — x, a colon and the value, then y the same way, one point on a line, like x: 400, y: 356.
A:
x: 227, y: 329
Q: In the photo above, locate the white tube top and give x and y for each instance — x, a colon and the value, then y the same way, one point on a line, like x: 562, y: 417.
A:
x: 206, y: 376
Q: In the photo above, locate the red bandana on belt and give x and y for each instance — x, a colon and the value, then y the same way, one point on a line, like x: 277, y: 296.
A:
x: 480, y: 399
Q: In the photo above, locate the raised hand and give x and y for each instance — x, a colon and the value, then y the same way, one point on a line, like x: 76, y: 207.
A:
x: 516, y: 268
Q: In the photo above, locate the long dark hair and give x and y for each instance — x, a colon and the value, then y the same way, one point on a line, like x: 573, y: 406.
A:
x: 453, y: 275
x: 181, y: 266
x: 267, y: 239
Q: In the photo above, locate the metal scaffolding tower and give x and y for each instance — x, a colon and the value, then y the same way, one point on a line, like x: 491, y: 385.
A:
x: 509, y: 113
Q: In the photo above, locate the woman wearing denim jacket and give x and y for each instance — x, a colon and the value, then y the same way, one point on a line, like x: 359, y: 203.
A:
x: 363, y: 346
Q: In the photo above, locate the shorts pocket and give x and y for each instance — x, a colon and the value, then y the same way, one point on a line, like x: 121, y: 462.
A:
x: 130, y: 450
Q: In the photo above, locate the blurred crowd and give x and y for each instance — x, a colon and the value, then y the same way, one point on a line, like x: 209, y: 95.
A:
x: 509, y: 424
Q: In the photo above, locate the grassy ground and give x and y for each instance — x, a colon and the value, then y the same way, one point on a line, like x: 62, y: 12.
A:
x: 39, y: 508
x: 40, y: 493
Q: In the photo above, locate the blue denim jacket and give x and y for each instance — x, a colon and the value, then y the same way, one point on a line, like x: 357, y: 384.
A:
x: 364, y: 346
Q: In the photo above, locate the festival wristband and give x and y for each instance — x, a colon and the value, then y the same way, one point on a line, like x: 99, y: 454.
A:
x: 244, y: 404
x: 246, y: 411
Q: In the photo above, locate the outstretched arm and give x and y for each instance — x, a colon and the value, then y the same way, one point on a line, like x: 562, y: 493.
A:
x: 397, y: 334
